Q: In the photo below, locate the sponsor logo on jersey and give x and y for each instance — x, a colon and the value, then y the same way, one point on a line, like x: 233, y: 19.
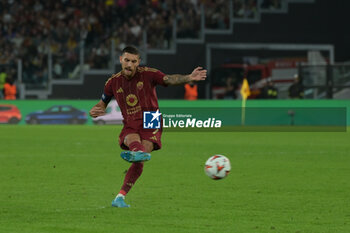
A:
x: 133, y: 110
x: 131, y: 100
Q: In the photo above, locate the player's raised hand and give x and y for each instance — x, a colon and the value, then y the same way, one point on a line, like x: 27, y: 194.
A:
x: 198, y: 74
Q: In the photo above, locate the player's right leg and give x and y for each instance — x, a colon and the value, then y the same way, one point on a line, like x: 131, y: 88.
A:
x: 136, y: 152
x: 119, y: 202
x: 148, y: 145
x: 135, y: 170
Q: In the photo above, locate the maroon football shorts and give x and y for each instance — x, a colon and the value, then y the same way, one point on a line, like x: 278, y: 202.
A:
x: 152, y: 135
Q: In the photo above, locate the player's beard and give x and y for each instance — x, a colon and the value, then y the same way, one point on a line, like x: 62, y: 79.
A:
x: 128, y: 72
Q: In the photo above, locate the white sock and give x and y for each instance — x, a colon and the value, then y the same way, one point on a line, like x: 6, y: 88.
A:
x: 120, y: 195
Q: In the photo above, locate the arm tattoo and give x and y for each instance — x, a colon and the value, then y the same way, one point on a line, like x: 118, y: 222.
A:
x: 176, y: 79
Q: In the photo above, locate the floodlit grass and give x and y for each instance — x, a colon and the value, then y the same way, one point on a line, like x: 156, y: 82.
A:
x: 63, y: 179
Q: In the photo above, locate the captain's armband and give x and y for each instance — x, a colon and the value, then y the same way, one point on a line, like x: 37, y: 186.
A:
x: 106, y: 98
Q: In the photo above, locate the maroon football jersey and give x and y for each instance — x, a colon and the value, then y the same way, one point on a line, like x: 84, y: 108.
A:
x: 136, y: 95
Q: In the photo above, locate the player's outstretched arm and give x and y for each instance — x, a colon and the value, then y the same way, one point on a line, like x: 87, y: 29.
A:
x: 197, y: 74
x: 98, y: 110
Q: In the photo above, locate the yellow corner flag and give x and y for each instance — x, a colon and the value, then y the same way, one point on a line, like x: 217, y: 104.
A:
x: 245, y: 91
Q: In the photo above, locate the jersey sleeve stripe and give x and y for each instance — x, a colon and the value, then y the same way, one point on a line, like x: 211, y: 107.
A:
x: 113, y: 76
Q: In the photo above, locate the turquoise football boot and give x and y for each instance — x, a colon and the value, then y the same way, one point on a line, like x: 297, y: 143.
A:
x: 135, y: 156
x: 120, y: 203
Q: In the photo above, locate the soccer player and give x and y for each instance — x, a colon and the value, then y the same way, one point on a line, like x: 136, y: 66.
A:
x: 134, y: 89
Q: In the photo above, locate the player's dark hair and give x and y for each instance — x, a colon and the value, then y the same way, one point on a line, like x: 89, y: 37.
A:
x: 131, y: 49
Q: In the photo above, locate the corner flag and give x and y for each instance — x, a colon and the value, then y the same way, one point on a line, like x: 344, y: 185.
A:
x: 245, y: 91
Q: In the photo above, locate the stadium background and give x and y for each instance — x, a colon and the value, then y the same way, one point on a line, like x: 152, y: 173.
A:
x: 57, y: 178
x: 89, y: 39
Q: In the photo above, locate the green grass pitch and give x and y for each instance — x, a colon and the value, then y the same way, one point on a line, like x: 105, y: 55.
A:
x: 63, y: 179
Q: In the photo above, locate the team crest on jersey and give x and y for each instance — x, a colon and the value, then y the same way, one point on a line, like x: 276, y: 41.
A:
x: 139, y: 85
x: 131, y: 100
x: 120, y: 90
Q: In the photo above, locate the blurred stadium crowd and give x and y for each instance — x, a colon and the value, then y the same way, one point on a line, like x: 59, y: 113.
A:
x: 29, y: 29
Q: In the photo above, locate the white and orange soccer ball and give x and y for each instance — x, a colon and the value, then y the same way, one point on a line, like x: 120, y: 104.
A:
x: 217, y: 167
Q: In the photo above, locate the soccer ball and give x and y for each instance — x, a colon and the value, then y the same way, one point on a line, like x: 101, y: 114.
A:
x: 217, y: 167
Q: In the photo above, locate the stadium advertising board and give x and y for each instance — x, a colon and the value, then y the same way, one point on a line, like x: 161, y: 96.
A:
x: 220, y: 116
